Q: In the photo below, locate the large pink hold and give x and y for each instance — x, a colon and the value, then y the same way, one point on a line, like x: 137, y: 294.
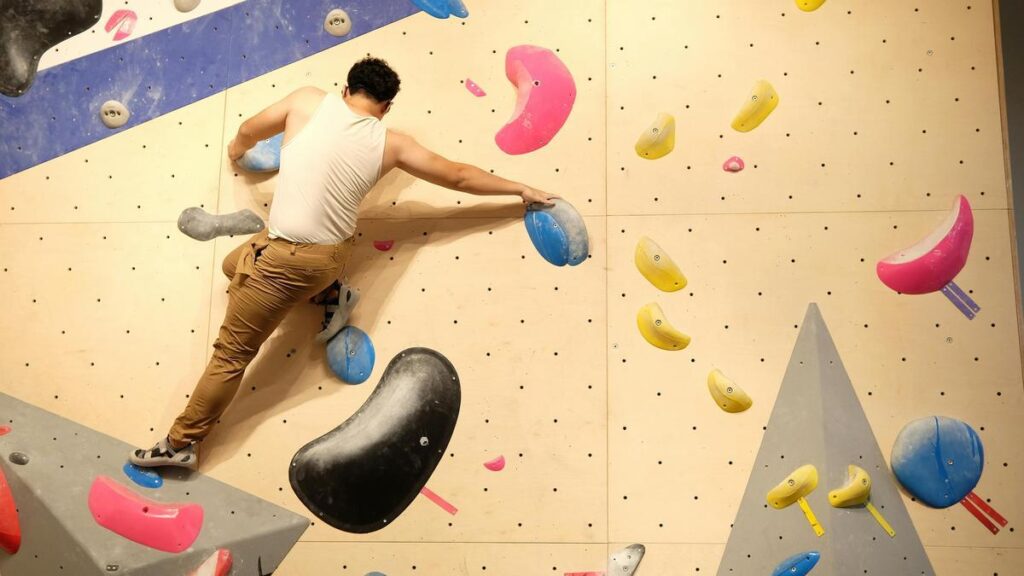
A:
x: 934, y: 262
x: 165, y: 527
x: 124, y: 20
x: 546, y: 95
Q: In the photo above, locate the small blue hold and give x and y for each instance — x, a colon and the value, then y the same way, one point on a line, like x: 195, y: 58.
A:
x: 558, y: 232
x: 350, y: 355
x: 265, y: 156
x: 797, y: 565
x: 938, y: 460
x: 143, y: 476
x: 442, y: 8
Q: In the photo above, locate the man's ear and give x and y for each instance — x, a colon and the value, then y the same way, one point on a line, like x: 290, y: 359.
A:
x: 345, y: 91
x: 387, y: 107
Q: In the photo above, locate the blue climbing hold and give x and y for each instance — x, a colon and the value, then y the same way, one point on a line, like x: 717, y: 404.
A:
x: 442, y: 8
x: 558, y: 232
x: 797, y: 565
x: 938, y: 460
x: 350, y: 355
x: 143, y: 476
x: 265, y: 156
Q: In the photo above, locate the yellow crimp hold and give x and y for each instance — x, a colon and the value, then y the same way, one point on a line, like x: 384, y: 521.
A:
x: 857, y: 491
x: 763, y: 99
x: 657, y: 330
x: 809, y: 5
x: 657, y: 266
x: 659, y: 139
x: 728, y: 396
x: 794, y: 488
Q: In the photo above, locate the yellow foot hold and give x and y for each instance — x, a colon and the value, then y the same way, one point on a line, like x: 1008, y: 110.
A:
x: 727, y: 395
x: 763, y: 99
x: 657, y: 266
x: 857, y: 491
x: 659, y: 139
x: 657, y: 330
x: 809, y: 5
x: 793, y: 489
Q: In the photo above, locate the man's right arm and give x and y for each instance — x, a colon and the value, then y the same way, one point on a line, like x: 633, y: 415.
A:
x: 409, y: 156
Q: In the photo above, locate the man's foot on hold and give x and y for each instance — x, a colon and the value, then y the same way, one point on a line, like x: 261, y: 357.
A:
x: 337, y: 312
x: 162, y: 454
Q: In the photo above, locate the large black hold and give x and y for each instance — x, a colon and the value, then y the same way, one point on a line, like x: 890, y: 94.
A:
x: 360, y: 476
x: 28, y: 28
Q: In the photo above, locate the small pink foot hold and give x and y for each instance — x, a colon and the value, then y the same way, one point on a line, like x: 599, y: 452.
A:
x: 217, y: 565
x: 124, y: 20
x: 474, y: 88
x: 734, y: 164
x: 496, y: 465
x: 165, y: 527
x: 5, y: 430
x: 383, y: 245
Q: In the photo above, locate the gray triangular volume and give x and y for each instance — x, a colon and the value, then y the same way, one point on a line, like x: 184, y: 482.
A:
x: 60, y: 536
x: 817, y: 419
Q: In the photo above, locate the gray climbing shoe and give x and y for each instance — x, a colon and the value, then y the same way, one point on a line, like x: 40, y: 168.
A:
x: 337, y: 311
x: 161, y: 454
x: 198, y: 224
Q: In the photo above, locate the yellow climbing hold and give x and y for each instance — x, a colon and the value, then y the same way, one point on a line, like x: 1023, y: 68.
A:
x: 657, y: 266
x: 809, y: 5
x: 659, y: 139
x: 794, y: 488
x: 763, y: 99
x: 656, y: 329
x: 857, y: 491
x: 728, y: 396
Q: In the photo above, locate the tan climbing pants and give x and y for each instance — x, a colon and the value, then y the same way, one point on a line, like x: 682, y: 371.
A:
x: 268, y: 277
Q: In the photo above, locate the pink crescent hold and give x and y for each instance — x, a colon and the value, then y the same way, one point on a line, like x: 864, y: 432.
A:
x: 546, y: 94
x: 124, y: 20
x: 165, y: 527
x: 495, y: 465
x: 475, y: 88
x: 383, y: 245
x: 734, y: 164
x: 5, y: 430
x: 219, y: 564
x: 935, y: 260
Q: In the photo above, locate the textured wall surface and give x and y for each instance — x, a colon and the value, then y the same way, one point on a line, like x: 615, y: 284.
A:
x: 887, y: 111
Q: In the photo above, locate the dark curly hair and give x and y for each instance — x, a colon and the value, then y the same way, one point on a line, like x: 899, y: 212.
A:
x: 373, y: 77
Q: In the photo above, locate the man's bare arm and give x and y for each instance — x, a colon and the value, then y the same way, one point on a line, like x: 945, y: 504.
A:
x: 268, y: 122
x: 413, y: 158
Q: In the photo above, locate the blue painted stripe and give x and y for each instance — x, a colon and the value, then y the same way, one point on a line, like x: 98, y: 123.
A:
x: 172, y: 68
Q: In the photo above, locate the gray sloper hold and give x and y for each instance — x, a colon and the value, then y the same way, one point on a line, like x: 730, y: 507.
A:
x: 28, y: 28
x: 186, y: 5
x: 58, y: 529
x: 817, y: 419
x: 114, y: 114
x: 199, y: 224
x: 360, y: 476
x: 626, y: 561
x: 337, y: 22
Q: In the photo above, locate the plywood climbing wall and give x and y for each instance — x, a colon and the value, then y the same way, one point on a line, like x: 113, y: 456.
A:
x: 887, y: 111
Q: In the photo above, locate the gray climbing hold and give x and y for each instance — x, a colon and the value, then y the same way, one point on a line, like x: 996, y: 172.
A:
x: 337, y: 22
x: 114, y: 114
x: 18, y: 458
x: 186, y: 5
x: 626, y: 561
x: 199, y: 224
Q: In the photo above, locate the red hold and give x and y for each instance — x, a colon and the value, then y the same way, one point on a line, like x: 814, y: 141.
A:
x: 10, y: 528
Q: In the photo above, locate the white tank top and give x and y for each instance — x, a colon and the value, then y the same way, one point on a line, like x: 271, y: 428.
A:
x: 326, y: 171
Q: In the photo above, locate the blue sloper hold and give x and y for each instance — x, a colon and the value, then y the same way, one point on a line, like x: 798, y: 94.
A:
x: 142, y: 476
x: 362, y: 475
x: 442, y: 8
x: 797, y: 564
x: 938, y: 460
x: 265, y: 156
x: 558, y: 232
x: 351, y: 356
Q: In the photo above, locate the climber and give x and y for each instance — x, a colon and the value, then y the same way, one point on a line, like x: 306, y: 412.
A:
x: 335, y: 149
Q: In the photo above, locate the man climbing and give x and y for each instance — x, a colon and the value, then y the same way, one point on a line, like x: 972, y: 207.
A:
x: 335, y: 149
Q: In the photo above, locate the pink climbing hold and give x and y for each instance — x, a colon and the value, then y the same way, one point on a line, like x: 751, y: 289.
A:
x: 734, y: 164
x: 546, y: 94
x: 219, y: 564
x: 5, y: 430
x: 383, y: 245
x: 496, y: 465
x: 124, y: 20
x: 10, y: 527
x: 165, y: 527
x: 475, y: 88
